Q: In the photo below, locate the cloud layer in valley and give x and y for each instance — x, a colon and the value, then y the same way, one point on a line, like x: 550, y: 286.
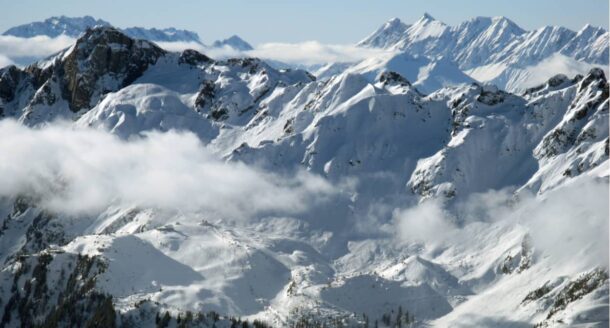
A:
x: 5, y: 61
x: 303, y: 53
x: 75, y: 171
x: 563, y: 222
x: 13, y: 48
x: 26, y: 50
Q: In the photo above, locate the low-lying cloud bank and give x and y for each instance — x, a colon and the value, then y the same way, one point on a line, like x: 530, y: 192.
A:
x: 313, y: 52
x: 80, y: 171
x: 5, y: 61
x: 13, y: 48
x: 562, y: 223
x: 25, y: 50
x: 302, y: 53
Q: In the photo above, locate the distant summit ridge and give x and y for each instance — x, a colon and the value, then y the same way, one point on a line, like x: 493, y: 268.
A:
x: 76, y: 26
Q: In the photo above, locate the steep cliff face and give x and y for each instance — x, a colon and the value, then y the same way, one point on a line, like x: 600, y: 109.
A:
x: 104, y: 60
x: 101, y: 61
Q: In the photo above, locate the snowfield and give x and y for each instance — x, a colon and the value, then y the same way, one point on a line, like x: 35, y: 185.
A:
x: 142, y: 187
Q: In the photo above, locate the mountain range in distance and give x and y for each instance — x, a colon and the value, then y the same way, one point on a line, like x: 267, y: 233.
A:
x: 495, y: 49
x: 75, y: 26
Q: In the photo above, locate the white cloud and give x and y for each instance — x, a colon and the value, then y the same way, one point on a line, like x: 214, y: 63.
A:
x: 555, y: 64
x: 427, y: 222
x: 304, y: 53
x: 178, y: 46
x: 561, y: 223
x: 312, y: 52
x: 5, y: 61
x: 570, y: 220
x: 225, y: 52
x: 38, y: 46
x: 76, y: 171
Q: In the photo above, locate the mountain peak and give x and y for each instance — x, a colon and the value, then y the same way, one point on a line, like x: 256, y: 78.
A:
x: 506, y: 21
x: 110, y: 35
x: 109, y: 54
x: 426, y: 19
x: 74, y: 26
x: 427, y: 16
x: 551, y: 28
x: 426, y: 27
x: 481, y: 19
x: 55, y: 26
x: 169, y: 34
x: 234, y: 42
x: 393, y: 22
x: 500, y: 18
x: 596, y: 73
x: 386, y: 35
x: 588, y: 28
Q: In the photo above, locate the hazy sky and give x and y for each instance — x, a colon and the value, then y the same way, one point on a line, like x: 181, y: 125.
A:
x: 338, y: 21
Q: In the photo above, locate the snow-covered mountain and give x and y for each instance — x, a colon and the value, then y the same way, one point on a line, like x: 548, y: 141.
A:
x: 234, y: 42
x: 162, y: 35
x: 426, y: 74
x: 72, y: 27
x: 455, y: 207
x: 75, y: 26
x: 491, y: 49
x: 590, y: 44
x: 386, y: 36
x: 56, y: 26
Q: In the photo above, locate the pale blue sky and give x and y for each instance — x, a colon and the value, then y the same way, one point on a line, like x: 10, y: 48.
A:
x: 338, y: 21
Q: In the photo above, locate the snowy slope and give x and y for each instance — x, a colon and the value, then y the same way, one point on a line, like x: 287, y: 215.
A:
x: 341, y: 201
x: 386, y: 36
x: 535, y: 45
x: 590, y: 44
x: 480, y: 38
x: 518, y: 78
x: 426, y: 74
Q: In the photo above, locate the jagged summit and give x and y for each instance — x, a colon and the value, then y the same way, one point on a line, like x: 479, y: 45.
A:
x: 385, y: 36
x: 162, y: 35
x: 75, y: 26
x: 393, y: 21
x: 234, y: 42
x: 55, y: 26
x: 99, y: 52
x: 495, y: 49
x: 591, y: 28
x: 103, y: 59
x: 427, y: 17
x: 596, y: 73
